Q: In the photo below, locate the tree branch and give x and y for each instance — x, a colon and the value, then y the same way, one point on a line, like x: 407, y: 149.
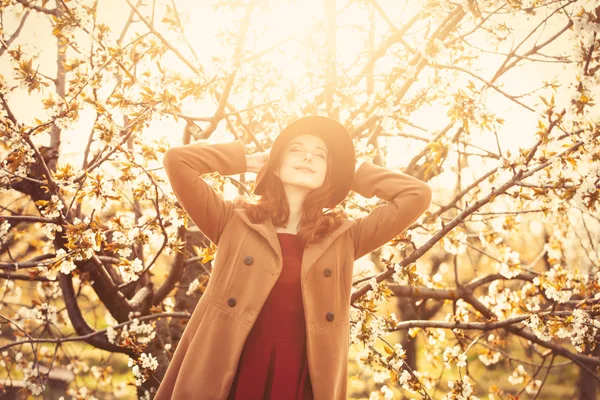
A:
x: 6, y: 44
x: 29, y: 218
x: 92, y: 335
x: 34, y: 262
x: 48, y: 11
x: 487, y: 83
x: 198, y: 70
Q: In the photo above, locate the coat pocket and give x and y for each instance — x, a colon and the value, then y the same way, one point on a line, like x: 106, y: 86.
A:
x: 210, y: 362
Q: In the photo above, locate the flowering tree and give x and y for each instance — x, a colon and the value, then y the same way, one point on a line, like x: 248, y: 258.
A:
x: 96, y: 252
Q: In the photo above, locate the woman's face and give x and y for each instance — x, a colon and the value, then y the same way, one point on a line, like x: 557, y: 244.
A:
x: 303, y: 162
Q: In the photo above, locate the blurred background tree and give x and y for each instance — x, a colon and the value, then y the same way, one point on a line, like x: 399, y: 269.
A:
x: 494, y: 291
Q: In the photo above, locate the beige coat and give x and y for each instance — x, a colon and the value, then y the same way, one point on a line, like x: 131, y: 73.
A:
x: 248, y: 262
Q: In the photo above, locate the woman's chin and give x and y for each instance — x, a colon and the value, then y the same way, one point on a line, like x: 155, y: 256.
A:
x: 304, y: 184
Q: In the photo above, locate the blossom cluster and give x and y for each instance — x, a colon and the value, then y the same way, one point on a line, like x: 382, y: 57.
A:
x: 84, y: 238
x: 581, y: 329
x: 18, y: 161
x: 129, y: 269
x: 42, y: 313
x: 455, y: 355
x: 461, y: 312
x: 195, y: 284
x: 51, y: 208
x: 63, y: 264
x: 488, y: 356
x: 142, y: 367
x: 520, y: 375
x: 11, y: 293
x: 136, y: 333
x: 99, y: 189
x: 504, y: 302
x: 455, y: 242
x: 559, y: 284
x: 33, y: 381
x: 461, y: 389
x: 4, y: 228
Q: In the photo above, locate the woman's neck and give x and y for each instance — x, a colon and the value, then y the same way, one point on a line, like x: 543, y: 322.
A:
x: 295, y: 201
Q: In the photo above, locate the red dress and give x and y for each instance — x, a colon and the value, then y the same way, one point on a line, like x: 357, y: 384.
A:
x: 273, y: 363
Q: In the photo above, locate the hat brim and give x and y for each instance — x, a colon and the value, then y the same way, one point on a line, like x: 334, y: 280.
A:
x: 341, y: 149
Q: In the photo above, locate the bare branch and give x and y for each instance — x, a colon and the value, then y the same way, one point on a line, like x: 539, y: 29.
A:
x: 29, y: 218
x: 487, y: 83
x: 49, y: 11
x: 483, y: 326
x: 441, y: 32
x: 315, y: 25
x: 218, y: 116
x: 387, y: 43
x: 22, y: 277
x: 506, y: 66
x: 126, y: 132
x: 198, y: 70
x: 459, y: 218
x: 9, y: 112
x: 87, y: 337
x: 175, y: 273
x: 34, y: 262
x: 75, y: 315
x: 6, y: 45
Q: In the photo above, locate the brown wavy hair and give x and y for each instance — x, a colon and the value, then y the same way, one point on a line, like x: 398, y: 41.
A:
x: 315, y: 224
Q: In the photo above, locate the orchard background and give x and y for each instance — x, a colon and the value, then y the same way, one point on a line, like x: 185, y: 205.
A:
x: 492, y: 293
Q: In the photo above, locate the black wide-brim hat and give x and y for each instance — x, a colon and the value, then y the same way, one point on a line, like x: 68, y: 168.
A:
x: 339, y: 145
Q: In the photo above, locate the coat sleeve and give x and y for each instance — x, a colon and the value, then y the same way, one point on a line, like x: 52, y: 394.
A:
x: 184, y: 165
x: 407, y: 198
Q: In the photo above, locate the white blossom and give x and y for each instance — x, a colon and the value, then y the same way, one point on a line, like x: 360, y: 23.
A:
x: 489, y: 357
x: 518, y: 375
x: 33, y: 382
x: 193, y: 286
x: 4, y: 228
x: 455, y: 355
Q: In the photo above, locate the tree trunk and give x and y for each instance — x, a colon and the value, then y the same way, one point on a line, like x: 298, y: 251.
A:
x: 587, y: 385
x: 330, y: 77
x: 407, y: 313
x: 61, y: 57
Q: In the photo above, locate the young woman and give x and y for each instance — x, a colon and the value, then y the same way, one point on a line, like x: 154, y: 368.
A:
x: 273, y: 322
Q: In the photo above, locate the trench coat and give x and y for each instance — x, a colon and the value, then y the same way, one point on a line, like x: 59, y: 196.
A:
x: 248, y: 262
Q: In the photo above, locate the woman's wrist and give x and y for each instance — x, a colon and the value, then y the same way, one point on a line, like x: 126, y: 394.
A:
x: 250, y: 165
x: 254, y: 162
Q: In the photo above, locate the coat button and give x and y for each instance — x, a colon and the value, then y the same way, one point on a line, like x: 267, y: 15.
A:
x: 232, y: 302
x: 328, y: 272
x: 330, y: 316
x: 248, y: 260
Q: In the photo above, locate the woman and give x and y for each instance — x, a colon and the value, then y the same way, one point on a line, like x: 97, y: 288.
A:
x: 274, y: 319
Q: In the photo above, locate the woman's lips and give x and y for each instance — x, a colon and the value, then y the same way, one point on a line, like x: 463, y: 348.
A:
x: 305, y: 169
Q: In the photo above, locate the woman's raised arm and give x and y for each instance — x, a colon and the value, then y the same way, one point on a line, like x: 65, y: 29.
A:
x: 407, y: 198
x: 184, y: 165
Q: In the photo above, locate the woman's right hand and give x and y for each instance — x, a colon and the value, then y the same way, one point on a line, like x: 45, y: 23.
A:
x: 254, y: 162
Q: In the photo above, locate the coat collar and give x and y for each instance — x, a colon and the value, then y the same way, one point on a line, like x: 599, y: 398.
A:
x: 312, y: 252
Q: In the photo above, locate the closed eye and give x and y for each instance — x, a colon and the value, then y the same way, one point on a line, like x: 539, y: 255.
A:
x: 296, y: 148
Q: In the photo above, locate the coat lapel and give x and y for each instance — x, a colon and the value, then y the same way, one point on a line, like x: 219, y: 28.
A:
x: 314, y: 251
x: 265, y: 229
x: 311, y: 253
